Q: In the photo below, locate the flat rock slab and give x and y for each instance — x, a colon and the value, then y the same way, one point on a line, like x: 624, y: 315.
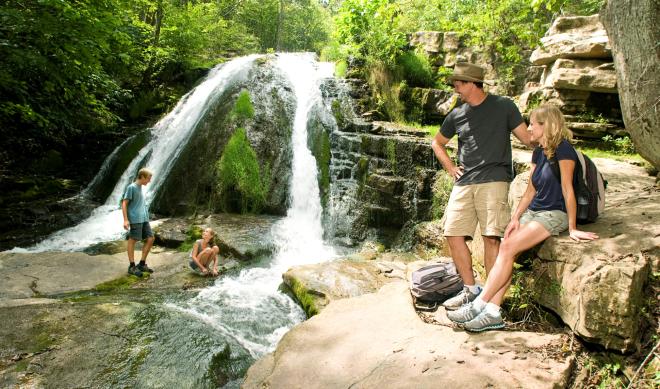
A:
x: 378, y: 341
x: 28, y: 275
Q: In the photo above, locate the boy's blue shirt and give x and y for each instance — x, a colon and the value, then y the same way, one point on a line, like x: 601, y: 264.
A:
x: 137, y: 207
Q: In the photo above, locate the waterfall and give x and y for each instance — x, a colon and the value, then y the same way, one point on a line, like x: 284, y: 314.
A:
x: 248, y: 307
x: 299, y: 237
x: 169, y: 136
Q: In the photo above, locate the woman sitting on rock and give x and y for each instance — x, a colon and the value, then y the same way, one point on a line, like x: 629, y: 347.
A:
x: 204, y: 252
x: 548, y: 207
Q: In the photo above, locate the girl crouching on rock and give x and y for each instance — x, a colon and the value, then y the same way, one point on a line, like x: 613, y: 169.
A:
x: 204, y: 252
x: 548, y: 207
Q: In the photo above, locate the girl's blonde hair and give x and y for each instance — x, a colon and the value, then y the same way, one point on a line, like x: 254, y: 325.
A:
x: 555, y: 129
x: 210, y: 230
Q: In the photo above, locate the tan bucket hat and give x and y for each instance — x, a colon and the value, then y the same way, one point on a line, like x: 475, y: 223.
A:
x: 465, y: 71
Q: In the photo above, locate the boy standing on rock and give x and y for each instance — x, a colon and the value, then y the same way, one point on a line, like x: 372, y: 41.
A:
x: 136, y: 222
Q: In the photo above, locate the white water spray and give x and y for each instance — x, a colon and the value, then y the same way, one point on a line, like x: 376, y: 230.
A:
x: 169, y: 137
x: 249, y: 307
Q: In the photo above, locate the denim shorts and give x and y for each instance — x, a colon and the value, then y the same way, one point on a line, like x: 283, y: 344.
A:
x: 555, y: 222
x: 140, y: 231
x: 193, y: 265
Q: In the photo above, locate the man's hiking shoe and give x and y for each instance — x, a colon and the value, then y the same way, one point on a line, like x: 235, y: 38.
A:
x: 144, y: 268
x: 133, y: 270
x: 464, y: 297
x: 464, y: 314
x: 484, y: 322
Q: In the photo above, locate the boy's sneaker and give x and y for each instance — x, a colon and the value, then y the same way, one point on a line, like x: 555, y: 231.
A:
x: 134, y: 271
x: 464, y: 297
x: 485, y: 321
x: 144, y: 268
x: 465, y: 313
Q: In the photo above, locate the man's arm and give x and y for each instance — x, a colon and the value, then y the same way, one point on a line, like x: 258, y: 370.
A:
x: 523, y: 135
x: 438, y: 145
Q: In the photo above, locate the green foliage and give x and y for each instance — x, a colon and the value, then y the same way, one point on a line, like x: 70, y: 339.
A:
x: 441, y: 190
x: 569, y: 7
x: 76, y: 68
x: 285, y: 25
x: 442, y: 79
x: 341, y: 67
x: 619, y: 145
x: 241, y: 185
x: 243, y: 110
x: 604, y: 371
x: 368, y: 28
x: 416, y: 69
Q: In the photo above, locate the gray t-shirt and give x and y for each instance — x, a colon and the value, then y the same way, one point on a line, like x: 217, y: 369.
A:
x: 484, y: 139
x: 137, y: 211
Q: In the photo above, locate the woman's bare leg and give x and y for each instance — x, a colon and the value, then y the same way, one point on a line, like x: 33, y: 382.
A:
x: 499, y: 279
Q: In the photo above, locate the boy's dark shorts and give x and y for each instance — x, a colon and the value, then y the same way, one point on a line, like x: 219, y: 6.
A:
x: 140, y: 231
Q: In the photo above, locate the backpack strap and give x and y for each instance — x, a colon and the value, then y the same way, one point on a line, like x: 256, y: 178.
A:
x: 554, y: 166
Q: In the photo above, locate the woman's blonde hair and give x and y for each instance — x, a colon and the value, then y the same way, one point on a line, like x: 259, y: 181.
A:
x: 555, y: 129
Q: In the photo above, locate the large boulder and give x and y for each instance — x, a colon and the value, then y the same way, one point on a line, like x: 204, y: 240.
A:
x: 633, y: 27
x: 586, y: 75
x: 377, y: 340
x: 573, y: 37
x: 429, y: 41
x: 317, y: 285
x: 268, y: 132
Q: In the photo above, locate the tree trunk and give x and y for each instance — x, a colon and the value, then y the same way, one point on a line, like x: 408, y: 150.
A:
x: 158, y: 21
x: 280, y: 20
x: 634, y: 33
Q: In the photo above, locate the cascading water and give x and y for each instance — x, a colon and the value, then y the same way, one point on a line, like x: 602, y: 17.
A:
x: 169, y: 137
x: 248, y: 307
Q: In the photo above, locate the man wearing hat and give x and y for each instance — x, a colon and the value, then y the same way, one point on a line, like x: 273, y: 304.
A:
x: 483, y: 123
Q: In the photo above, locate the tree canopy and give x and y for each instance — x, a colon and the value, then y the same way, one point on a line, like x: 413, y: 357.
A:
x: 75, y: 69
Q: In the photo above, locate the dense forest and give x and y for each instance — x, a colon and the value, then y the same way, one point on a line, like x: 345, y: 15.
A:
x: 77, y: 76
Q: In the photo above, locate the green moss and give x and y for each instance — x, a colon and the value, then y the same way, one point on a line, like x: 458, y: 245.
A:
x: 362, y: 173
x: 341, y: 67
x: 193, y: 233
x: 390, y: 151
x: 243, y: 110
x: 241, y: 185
x: 220, y: 367
x: 321, y: 151
x: 21, y: 366
x: 124, y: 282
x: 337, y: 112
x: 306, y: 300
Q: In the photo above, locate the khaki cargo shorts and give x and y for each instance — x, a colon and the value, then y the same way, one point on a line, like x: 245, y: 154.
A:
x: 485, y: 203
x: 555, y: 222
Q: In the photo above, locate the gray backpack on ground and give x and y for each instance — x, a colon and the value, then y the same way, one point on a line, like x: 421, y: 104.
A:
x: 433, y: 284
